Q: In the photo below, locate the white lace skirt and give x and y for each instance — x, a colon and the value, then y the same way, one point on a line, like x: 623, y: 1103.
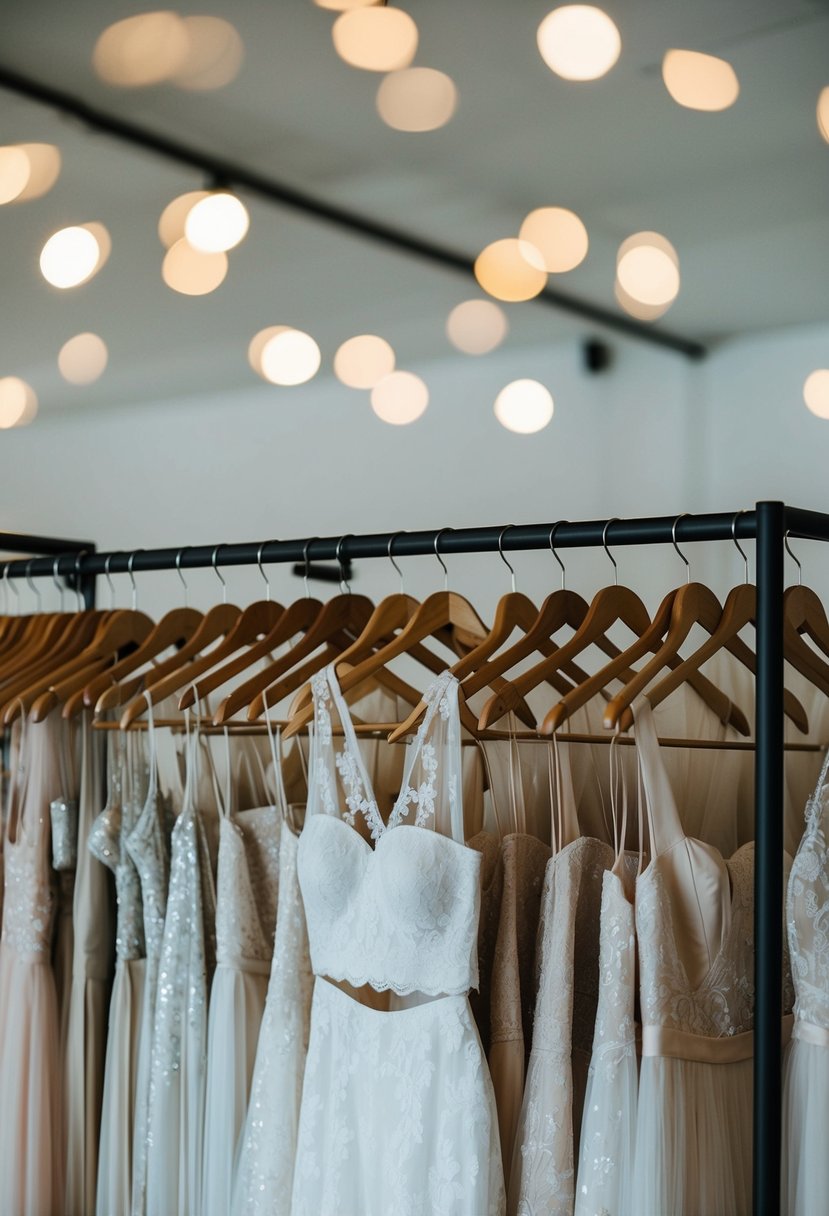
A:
x: 805, y: 1120
x: 398, y: 1113
x: 115, y: 1147
x: 608, y: 1133
x: 693, y: 1138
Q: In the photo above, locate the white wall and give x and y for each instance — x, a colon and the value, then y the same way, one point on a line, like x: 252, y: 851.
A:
x: 652, y: 435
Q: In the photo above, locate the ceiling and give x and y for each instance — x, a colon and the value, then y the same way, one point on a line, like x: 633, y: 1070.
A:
x: 742, y: 194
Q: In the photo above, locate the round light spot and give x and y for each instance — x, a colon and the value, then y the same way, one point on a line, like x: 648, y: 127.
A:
x: 191, y: 272
x: 417, y: 99
x: 400, y: 398
x: 14, y: 173
x: 258, y: 343
x: 511, y: 269
x: 141, y: 50
x: 524, y: 406
x: 477, y: 326
x: 362, y: 361
x: 579, y: 42
x: 44, y: 170
x: 18, y: 402
x: 823, y: 113
x: 290, y: 357
x: 643, y: 312
x: 375, y: 39
x: 816, y: 392
x: 700, y: 82
x: 214, y: 54
x: 174, y: 216
x: 217, y: 223
x: 647, y: 267
x: 71, y: 256
x: 82, y: 359
x: 558, y: 235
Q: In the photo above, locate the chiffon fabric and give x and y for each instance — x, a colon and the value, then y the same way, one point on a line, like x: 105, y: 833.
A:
x: 32, y: 1133
x: 806, y: 1067
x: 397, y: 1111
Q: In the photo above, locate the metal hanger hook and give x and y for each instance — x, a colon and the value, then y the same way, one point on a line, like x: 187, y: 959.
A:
x: 345, y: 586
x: 438, y: 535
x: 130, y: 563
x: 107, y: 565
x: 217, y: 572
x: 4, y: 587
x: 740, y: 548
x: 57, y: 581
x: 10, y: 585
x: 262, y: 572
x: 607, y: 551
x: 795, y: 559
x: 676, y: 546
x: 307, y: 564
x: 181, y: 576
x: 501, y: 552
x: 554, y: 551
x: 32, y: 587
x: 78, y: 558
x: 392, y: 539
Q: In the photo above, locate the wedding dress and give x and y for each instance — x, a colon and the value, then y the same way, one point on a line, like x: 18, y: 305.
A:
x: 397, y: 1110
x: 806, y: 1070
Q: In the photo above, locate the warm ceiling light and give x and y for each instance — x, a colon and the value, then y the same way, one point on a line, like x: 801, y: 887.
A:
x: 643, y: 312
x: 14, y: 173
x: 191, y: 272
x: 375, y: 39
x: 524, y: 406
x: 290, y: 357
x: 141, y: 50
x: 417, y: 99
x: 258, y: 343
x: 362, y: 361
x: 511, y: 270
x: 214, y: 55
x: 18, y: 402
x: 823, y: 113
x: 558, y: 235
x: 477, y: 326
x: 647, y: 267
x: 700, y: 82
x: 174, y: 216
x: 816, y: 392
x: 399, y: 398
x: 579, y: 42
x: 73, y: 255
x: 342, y: 6
x: 217, y: 223
x: 83, y: 358
x: 44, y: 169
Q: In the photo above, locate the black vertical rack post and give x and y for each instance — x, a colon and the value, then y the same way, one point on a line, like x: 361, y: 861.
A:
x: 769, y: 524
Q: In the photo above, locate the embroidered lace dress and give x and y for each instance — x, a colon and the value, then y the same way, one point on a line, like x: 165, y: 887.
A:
x: 31, y: 1119
x: 695, y: 930
x: 397, y: 1110
x: 806, y: 1069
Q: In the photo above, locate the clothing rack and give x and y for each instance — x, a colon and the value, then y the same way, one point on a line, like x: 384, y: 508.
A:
x: 768, y: 523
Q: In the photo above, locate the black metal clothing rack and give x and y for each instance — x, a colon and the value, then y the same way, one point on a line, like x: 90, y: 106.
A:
x: 768, y: 524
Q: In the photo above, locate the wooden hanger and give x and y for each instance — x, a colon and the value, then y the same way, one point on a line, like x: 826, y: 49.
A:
x: 803, y: 613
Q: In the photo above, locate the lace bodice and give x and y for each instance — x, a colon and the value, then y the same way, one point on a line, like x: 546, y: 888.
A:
x: 246, y: 887
x: 402, y: 915
x: 107, y: 842
x: 807, y: 912
x: 148, y: 846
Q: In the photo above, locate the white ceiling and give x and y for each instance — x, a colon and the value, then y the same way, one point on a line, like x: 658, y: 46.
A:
x: 742, y: 194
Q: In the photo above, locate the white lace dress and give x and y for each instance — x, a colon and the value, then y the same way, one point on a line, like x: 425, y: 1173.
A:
x: 397, y: 1109
x: 806, y: 1072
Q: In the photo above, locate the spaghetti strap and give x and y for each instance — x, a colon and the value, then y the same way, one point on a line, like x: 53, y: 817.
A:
x: 664, y: 824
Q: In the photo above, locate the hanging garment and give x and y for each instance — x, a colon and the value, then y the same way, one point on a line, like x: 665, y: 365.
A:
x: 93, y: 915
x: 695, y: 929
x: 128, y: 780
x: 63, y: 810
x: 246, y: 905
x: 806, y: 1067
x: 543, y: 1174
x: 32, y: 1142
x: 397, y: 1111
x: 178, y: 1064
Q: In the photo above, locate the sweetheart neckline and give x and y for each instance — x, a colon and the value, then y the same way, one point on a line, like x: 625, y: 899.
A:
x: 411, y: 827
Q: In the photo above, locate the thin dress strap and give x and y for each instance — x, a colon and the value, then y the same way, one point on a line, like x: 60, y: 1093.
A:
x: 437, y: 754
x: 664, y: 824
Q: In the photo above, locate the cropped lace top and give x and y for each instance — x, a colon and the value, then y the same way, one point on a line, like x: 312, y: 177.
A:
x: 402, y: 915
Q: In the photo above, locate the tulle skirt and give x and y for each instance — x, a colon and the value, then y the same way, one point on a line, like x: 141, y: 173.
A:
x: 805, y: 1124
x: 693, y: 1138
x: 237, y: 1000
x: 398, y: 1113
x: 115, y: 1149
x: 608, y: 1134
x: 31, y: 1116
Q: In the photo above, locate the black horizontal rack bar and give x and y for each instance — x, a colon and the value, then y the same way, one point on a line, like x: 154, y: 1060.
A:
x: 768, y: 523
x: 230, y: 173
